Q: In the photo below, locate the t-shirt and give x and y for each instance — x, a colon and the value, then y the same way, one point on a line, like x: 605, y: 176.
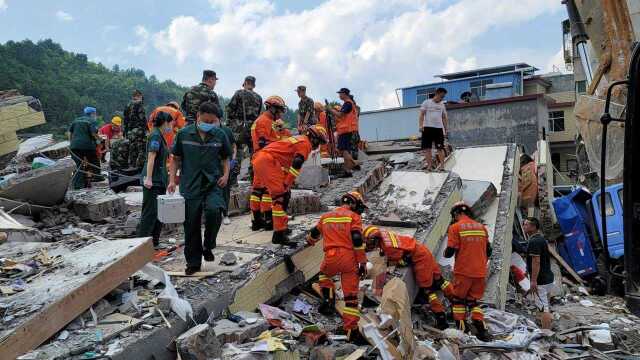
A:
x: 434, y: 112
x: 538, y: 246
x: 108, y: 131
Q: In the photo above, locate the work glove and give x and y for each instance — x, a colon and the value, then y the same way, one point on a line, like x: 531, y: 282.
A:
x: 362, y: 270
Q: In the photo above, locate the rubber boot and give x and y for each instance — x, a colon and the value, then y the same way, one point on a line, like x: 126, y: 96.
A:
x: 281, y: 238
x: 481, y: 331
x: 463, y: 326
x: 268, y: 220
x: 441, y: 321
x: 327, y: 307
x: 257, y: 222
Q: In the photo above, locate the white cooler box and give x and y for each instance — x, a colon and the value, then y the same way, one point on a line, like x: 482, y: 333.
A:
x: 171, y: 209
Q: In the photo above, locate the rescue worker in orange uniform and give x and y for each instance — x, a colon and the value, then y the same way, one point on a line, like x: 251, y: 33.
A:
x: 347, y: 129
x: 173, y: 109
x: 277, y: 166
x: 469, y: 242
x: 321, y: 114
x: 405, y: 251
x: 281, y: 129
x: 344, y: 254
x: 263, y: 132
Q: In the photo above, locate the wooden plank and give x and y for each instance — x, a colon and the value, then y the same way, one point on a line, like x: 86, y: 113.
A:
x: 9, y: 147
x: 359, y: 353
x: 564, y: 264
x: 88, y: 275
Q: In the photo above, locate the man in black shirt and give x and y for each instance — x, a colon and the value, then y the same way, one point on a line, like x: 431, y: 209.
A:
x: 539, y: 267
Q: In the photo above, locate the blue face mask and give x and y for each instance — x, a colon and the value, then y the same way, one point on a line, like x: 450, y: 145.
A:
x: 206, y: 127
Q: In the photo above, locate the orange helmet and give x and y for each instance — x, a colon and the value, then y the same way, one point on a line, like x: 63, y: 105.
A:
x: 317, y: 106
x: 355, y: 198
x: 337, y: 107
x: 275, y: 101
x: 460, y: 207
x: 319, y: 133
x: 372, y: 236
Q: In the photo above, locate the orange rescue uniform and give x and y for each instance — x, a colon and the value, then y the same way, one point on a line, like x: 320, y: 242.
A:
x: 347, y: 123
x: 470, y: 239
x: 284, y: 133
x: 400, y: 249
x: 322, y: 121
x: 178, y: 121
x: 273, y: 172
x: 262, y: 128
x: 341, y: 257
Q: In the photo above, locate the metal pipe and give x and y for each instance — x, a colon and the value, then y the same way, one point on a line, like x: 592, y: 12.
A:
x: 584, y: 61
x: 579, y: 38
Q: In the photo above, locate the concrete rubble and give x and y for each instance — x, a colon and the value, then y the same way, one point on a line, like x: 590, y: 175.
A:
x: 258, y: 301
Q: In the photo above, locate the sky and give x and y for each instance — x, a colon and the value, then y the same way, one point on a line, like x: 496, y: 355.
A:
x: 372, y: 47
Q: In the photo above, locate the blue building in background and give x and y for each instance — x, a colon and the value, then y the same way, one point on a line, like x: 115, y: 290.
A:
x: 492, y: 83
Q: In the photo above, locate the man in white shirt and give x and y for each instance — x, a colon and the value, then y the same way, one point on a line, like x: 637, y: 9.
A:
x: 433, y: 126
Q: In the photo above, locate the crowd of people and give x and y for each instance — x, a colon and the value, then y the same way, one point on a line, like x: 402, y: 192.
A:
x: 187, y: 147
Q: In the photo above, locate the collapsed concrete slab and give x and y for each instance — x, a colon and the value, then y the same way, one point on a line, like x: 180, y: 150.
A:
x: 363, y: 181
x: 39, y: 188
x: 81, y: 279
x: 497, y: 164
x: 16, y: 231
x: 97, y: 204
x: 478, y: 195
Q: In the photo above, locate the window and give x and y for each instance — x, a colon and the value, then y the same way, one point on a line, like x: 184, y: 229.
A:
x: 572, y: 166
x: 608, y: 205
x: 479, y: 87
x: 556, y: 121
x: 424, y: 94
x: 581, y: 86
x: 555, y: 160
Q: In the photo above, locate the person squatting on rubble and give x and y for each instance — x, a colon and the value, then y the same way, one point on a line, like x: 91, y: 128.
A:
x: 135, y: 130
x: 242, y: 110
x: 109, y: 132
x: 154, y: 177
x: 406, y: 251
x: 469, y: 242
x: 344, y: 255
x: 346, y: 127
x: 263, y: 133
x: 433, y: 124
x: 83, y: 138
x: 200, y: 94
x: 201, y: 151
x: 539, y: 267
x: 276, y: 167
x: 321, y: 114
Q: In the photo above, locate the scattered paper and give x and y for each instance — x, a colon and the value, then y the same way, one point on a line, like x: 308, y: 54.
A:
x: 586, y: 303
x: 301, y: 306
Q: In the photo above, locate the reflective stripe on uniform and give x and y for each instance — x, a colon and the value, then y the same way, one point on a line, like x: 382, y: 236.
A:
x: 278, y: 213
x: 444, y: 284
x: 266, y: 199
x: 294, y: 172
x: 351, y: 311
x: 254, y: 198
x: 472, y: 233
x: 460, y: 309
x: 345, y: 219
x: 293, y: 140
x: 394, y: 239
x: 370, y: 230
x: 433, y: 297
x: 359, y: 247
x: 323, y: 277
x: 477, y: 310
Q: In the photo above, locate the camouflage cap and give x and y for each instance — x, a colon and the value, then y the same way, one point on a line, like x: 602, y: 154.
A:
x: 250, y: 79
x: 301, y: 88
x: 206, y: 74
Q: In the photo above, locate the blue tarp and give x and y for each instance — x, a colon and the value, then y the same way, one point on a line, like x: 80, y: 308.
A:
x: 574, y: 221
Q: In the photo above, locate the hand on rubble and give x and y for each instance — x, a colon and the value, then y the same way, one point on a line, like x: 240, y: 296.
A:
x: 362, y: 270
x: 171, y: 188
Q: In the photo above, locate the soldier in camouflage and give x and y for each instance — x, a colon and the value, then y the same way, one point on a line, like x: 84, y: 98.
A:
x: 135, y: 128
x: 199, y: 94
x: 306, y: 114
x: 242, y: 110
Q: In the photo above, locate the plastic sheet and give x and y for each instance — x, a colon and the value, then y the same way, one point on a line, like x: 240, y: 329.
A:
x: 588, y: 111
x: 179, y: 306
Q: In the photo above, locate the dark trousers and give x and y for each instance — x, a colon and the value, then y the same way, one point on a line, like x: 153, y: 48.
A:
x: 149, y: 224
x: 226, y: 194
x: 80, y: 179
x: 212, y: 204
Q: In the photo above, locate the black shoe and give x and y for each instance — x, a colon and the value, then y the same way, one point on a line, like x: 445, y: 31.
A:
x: 326, y: 308
x: 441, y: 321
x: 268, y: 221
x: 208, y: 255
x: 357, y: 168
x: 190, y: 270
x: 281, y: 238
x: 257, y: 222
x: 481, y: 331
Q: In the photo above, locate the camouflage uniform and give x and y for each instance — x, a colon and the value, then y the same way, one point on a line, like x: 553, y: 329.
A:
x: 119, y: 154
x: 194, y: 97
x: 135, y: 128
x: 305, y: 106
x: 242, y: 110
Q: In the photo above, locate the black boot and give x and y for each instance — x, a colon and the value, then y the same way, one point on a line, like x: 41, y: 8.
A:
x: 481, y: 331
x: 281, y: 238
x: 441, y: 321
x: 268, y: 221
x: 257, y: 222
x: 327, y: 307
